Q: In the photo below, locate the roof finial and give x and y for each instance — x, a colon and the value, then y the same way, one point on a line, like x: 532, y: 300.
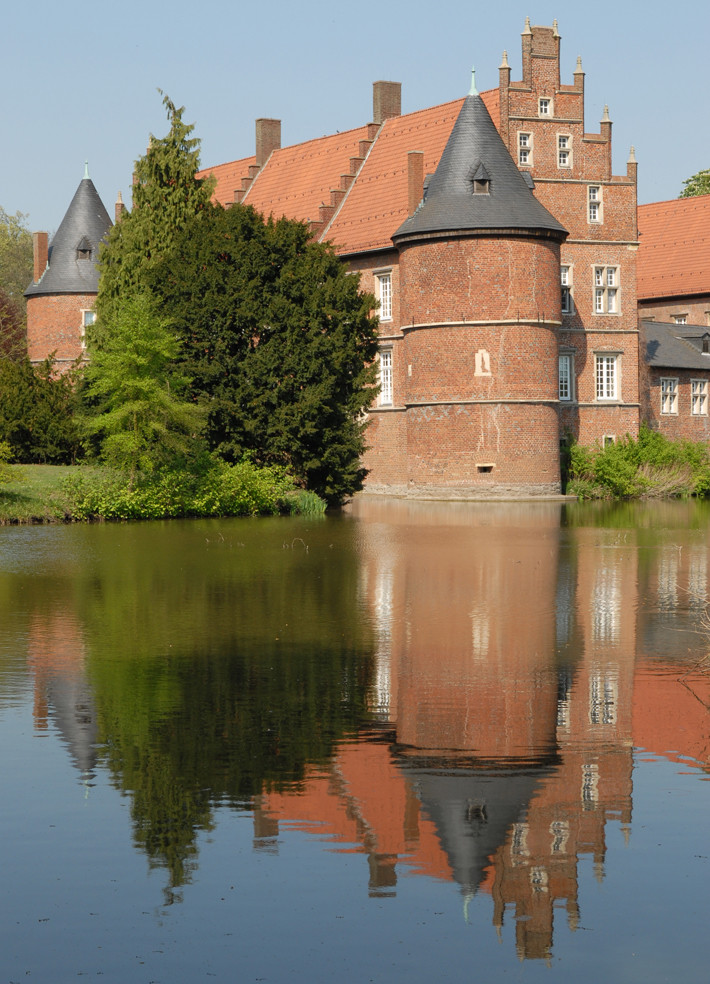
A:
x: 632, y: 155
x: 555, y: 31
x: 579, y: 65
x: 119, y: 198
x: 86, y: 170
x: 605, y: 117
x: 528, y: 29
x: 504, y: 63
x: 473, y: 91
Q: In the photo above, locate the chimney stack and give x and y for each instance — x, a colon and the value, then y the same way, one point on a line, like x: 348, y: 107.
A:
x: 40, y: 250
x: 268, y: 139
x: 386, y: 101
x: 119, y: 208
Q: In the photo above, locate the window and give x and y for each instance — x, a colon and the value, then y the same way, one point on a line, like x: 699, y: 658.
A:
x: 564, y: 150
x: 384, y: 293
x: 566, y: 377
x: 544, y: 107
x: 608, y: 440
x: 606, y: 290
x: 669, y: 395
x: 566, y: 285
x: 606, y: 376
x: 87, y: 318
x: 699, y: 397
x: 680, y: 319
x: 525, y: 149
x: 594, y: 203
x: 386, y: 377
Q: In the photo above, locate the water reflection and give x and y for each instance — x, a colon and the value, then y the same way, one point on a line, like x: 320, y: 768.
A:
x: 451, y: 690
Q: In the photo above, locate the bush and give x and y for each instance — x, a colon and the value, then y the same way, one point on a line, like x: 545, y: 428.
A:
x: 224, y: 490
x: 650, y: 467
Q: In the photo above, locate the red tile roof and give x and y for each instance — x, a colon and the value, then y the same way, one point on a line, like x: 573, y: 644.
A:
x: 229, y: 178
x: 297, y: 180
x: 376, y: 205
x: 674, y: 251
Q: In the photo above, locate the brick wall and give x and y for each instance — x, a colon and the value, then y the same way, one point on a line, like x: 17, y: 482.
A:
x: 54, y: 325
x: 695, y: 309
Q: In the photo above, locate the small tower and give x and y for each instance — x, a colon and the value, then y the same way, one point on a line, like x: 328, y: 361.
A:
x: 60, y: 299
x: 480, y: 302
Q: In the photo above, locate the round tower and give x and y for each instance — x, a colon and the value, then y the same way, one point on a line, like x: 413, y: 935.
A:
x: 61, y: 297
x: 479, y: 268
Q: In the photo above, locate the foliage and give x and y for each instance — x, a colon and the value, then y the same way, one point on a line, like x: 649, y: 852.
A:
x: 280, y: 340
x: 5, y: 457
x: 134, y: 397
x: 15, y: 276
x: 37, y: 412
x: 223, y: 490
x: 653, y: 466
x: 165, y: 197
x: 698, y: 184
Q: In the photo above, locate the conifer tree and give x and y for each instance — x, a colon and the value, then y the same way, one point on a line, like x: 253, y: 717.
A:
x: 166, y: 195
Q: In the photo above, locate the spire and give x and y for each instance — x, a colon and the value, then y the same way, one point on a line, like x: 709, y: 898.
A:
x: 555, y: 31
x: 86, y: 171
x: 528, y: 29
x: 579, y: 68
x: 632, y: 155
x: 605, y: 118
x: 504, y: 62
x: 473, y: 91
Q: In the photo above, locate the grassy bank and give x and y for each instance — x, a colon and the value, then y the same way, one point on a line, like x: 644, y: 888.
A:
x: 66, y: 493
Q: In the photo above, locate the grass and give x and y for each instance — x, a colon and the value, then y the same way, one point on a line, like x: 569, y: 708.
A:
x: 34, y: 494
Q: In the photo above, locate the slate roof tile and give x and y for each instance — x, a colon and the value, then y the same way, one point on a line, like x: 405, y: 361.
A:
x: 671, y: 346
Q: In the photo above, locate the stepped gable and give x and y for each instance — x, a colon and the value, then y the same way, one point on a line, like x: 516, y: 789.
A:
x: 451, y: 207
x: 228, y: 178
x: 74, y: 249
x: 376, y: 205
x: 297, y: 180
x: 674, y: 248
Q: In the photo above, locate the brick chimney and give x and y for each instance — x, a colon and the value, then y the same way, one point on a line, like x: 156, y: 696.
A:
x: 268, y: 139
x: 386, y: 101
x: 40, y: 250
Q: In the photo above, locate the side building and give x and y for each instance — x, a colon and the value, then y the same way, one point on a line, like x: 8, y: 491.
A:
x: 61, y: 297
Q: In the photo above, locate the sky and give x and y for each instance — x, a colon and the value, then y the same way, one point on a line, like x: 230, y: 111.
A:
x: 80, y: 82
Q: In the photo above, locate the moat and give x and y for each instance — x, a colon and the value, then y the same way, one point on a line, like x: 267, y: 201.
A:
x: 412, y: 741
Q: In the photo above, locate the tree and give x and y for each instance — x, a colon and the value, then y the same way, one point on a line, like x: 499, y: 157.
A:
x: 279, y: 339
x: 698, y: 184
x: 166, y: 196
x: 37, y: 409
x: 15, y: 277
x: 135, y: 397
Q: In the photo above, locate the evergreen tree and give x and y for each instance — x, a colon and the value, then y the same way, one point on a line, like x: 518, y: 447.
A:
x: 37, y: 412
x: 135, y: 399
x: 166, y: 196
x: 280, y: 341
x: 15, y: 277
x: 698, y: 184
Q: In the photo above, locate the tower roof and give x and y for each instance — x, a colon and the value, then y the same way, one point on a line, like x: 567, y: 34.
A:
x: 477, y: 186
x: 74, y: 249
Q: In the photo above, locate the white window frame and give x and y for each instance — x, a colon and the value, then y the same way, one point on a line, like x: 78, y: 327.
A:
x: 525, y: 148
x: 386, y: 383
x: 669, y: 395
x: 565, y: 377
x: 564, y: 150
x: 567, y: 305
x: 88, y: 317
x: 606, y: 376
x: 545, y: 107
x: 680, y: 319
x: 384, y: 294
x: 595, y: 204
x: 699, y: 397
x: 607, y: 290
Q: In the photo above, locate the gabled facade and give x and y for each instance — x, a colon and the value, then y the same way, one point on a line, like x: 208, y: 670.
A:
x: 61, y: 297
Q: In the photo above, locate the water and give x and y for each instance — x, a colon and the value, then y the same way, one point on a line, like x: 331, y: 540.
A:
x: 417, y: 740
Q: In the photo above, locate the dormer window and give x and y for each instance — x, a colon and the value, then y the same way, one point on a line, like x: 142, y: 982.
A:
x: 83, y: 249
x: 481, y: 181
x: 706, y: 343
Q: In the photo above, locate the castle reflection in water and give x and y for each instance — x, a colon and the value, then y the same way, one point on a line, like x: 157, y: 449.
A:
x: 517, y: 665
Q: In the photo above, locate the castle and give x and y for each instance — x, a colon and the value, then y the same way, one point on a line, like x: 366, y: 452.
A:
x: 503, y: 252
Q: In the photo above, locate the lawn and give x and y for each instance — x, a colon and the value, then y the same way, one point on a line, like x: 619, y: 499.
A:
x: 34, y: 494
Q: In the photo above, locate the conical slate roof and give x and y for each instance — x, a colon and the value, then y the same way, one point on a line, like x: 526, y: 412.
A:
x: 475, y: 157
x: 74, y: 249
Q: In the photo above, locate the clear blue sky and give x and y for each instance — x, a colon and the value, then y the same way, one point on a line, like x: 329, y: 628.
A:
x: 80, y: 81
